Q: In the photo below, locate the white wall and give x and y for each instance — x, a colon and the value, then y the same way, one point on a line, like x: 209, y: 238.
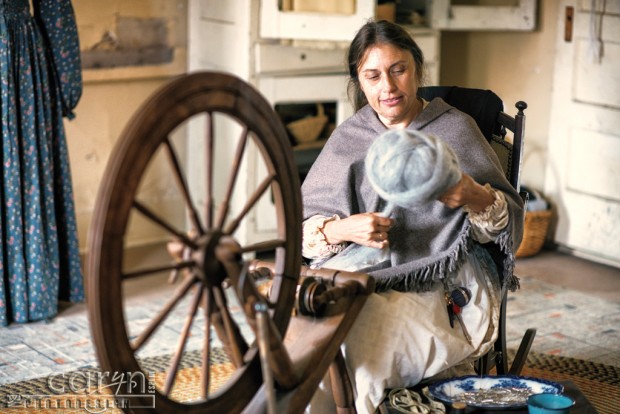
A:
x: 515, y: 65
x: 112, y: 96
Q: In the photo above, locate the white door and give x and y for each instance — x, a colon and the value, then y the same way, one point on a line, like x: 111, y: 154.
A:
x: 582, y: 178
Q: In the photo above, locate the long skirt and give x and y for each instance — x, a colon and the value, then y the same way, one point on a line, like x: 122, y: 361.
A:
x: 400, y: 339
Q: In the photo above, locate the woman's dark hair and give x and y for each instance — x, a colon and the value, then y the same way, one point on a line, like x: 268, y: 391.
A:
x: 373, y: 33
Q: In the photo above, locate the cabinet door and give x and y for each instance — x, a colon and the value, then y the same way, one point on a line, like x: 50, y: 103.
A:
x: 276, y: 23
x: 446, y: 16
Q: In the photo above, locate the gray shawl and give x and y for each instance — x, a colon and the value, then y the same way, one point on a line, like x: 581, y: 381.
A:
x: 428, y: 242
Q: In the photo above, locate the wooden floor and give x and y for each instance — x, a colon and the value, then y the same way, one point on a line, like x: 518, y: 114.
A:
x: 572, y: 272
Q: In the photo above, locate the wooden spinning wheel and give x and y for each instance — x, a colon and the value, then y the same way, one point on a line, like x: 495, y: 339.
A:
x: 212, y: 256
x: 275, y: 359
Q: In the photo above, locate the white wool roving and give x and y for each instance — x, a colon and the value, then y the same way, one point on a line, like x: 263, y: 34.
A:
x: 409, y: 168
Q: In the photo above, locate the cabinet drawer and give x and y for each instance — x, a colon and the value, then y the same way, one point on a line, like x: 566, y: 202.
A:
x: 277, y: 59
x: 279, y: 24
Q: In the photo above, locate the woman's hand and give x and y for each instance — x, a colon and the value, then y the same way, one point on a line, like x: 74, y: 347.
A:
x: 467, y: 192
x: 367, y: 229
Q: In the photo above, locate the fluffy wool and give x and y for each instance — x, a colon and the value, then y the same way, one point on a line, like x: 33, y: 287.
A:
x: 409, y: 167
x: 406, y: 168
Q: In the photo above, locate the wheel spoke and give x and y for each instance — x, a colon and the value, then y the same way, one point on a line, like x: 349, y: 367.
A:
x: 177, y: 296
x: 229, y: 331
x: 174, y: 366
x: 175, y: 267
x: 264, y: 246
x: 234, y: 172
x: 206, y: 352
x: 173, y: 277
x: 158, y: 220
x: 264, y: 185
x: 182, y: 183
x: 209, y: 172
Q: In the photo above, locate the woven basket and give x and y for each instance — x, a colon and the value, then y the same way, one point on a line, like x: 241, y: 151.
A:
x: 308, y: 129
x: 534, y: 232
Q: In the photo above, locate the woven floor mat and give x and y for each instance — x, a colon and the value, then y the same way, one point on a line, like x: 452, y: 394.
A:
x: 35, y: 396
x: 598, y: 382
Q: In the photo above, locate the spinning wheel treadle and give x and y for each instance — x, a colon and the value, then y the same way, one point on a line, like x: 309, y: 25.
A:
x: 212, y: 259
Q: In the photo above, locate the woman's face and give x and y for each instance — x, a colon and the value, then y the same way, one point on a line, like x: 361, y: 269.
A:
x: 387, y: 76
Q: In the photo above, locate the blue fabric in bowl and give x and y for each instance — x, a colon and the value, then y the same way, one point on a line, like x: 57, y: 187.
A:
x: 546, y: 403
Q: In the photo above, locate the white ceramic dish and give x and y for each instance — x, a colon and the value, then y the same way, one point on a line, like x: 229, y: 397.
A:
x: 493, y: 392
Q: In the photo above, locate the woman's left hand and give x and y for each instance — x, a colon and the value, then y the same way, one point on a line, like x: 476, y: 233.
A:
x: 467, y: 192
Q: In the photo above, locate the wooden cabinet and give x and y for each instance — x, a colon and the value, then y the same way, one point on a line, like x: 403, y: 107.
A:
x: 444, y: 15
x: 336, y: 23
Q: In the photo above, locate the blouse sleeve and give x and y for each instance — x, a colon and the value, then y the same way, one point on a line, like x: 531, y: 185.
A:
x: 314, y: 245
x: 488, y: 224
x: 56, y: 20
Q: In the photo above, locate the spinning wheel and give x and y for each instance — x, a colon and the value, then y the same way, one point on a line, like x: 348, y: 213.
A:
x: 212, y: 267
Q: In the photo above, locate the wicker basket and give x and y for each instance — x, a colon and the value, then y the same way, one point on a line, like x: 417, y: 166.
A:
x: 308, y: 129
x: 534, y: 232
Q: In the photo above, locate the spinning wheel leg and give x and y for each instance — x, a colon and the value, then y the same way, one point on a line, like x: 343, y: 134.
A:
x: 209, y: 270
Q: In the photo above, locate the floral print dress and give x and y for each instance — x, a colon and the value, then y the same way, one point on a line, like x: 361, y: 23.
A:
x: 40, y: 83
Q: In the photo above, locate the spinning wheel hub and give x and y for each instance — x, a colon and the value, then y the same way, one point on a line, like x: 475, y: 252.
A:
x: 214, y: 254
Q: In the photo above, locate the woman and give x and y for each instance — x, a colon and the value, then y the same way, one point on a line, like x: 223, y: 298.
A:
x: 41, y: 82
x: 403, y: 334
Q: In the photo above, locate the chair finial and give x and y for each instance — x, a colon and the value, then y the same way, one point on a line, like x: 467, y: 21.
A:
x: 521, y: 106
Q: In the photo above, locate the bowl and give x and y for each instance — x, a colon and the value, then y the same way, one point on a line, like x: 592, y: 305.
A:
x: 490, y: 392
x: 549, y: 403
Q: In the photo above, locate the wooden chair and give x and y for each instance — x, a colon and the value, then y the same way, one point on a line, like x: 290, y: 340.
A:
x: 487, y: 109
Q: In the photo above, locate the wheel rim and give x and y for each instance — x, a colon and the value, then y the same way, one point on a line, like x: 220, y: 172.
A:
x: 206, y: 247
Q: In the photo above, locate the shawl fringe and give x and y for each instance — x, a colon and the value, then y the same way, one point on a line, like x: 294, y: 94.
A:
x: 422, y: 279
x: 509, y: 280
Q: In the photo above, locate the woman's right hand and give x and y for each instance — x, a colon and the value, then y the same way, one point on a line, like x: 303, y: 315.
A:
x: 367, y: 229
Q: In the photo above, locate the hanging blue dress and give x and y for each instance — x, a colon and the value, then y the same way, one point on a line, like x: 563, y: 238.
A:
x: 41, y: 82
